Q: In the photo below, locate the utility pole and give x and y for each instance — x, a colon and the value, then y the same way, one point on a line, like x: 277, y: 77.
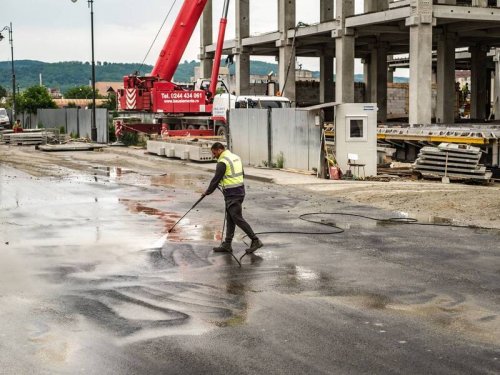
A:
x: 93, y: 127
x: 11, y: 41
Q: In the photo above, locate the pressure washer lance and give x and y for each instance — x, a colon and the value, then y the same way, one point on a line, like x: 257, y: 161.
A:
x: 194, y: 205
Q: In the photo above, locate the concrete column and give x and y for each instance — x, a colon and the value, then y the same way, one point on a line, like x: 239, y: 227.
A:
x: 243, y: 57
x: 496, y: 85
x: 480, y: 3
x: 390, y: 71
x: 286, y: 21
x: 446, y: 99
x: 420, y: 23
x: 378, y: 80
x: 367, y: 78
x: 326, y: 10
x: 495, y: 148
x: 326, y: 85
x: 344, y: 50
x: 206, y: 60
x: 376, y: 5
x: 478, y: 82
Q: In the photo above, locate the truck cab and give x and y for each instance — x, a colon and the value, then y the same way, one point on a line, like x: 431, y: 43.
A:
x: 223, y: 102
x: 4, y: 118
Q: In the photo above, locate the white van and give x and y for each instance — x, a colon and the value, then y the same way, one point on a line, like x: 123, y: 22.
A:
x: 4, y: 118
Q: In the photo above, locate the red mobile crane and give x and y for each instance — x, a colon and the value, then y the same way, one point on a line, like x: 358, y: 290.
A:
x: 157, y: 93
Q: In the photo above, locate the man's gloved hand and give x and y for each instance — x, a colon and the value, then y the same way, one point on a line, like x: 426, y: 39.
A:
x: 204, y: 194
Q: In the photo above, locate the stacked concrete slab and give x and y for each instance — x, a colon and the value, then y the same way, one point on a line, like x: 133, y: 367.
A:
x: 456, y: 161
x: 32, y: 138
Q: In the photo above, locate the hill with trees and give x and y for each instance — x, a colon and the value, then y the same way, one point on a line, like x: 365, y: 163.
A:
x: 70, y: 74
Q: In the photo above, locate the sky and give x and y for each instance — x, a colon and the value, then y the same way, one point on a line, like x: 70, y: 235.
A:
x: 59, y: 30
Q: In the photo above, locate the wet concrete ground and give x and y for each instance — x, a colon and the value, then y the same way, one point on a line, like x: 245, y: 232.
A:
x: 90, y: 285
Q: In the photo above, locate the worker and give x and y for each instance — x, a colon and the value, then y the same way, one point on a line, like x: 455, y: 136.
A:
x: 17, y: 127
x: 229, y: 177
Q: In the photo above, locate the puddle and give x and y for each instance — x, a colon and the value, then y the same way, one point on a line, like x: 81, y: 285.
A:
x: 178, y: 179
x: 429, y: 219
x: 184, y: 231
x: 111, y: 172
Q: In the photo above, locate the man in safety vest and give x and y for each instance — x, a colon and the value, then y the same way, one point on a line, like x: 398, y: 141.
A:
x: 229, y: 177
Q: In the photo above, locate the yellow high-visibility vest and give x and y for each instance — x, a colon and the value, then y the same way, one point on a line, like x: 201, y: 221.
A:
x: 234, y: 170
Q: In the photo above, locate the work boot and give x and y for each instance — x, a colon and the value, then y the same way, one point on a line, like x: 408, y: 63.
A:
x: 224, y: 247
x: 256, y: 244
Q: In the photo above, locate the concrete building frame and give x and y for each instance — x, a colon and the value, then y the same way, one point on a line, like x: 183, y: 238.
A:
x: 438, y: 35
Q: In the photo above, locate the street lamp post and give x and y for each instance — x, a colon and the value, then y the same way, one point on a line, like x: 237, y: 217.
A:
x: 13, y: 71
x: 93, y: 128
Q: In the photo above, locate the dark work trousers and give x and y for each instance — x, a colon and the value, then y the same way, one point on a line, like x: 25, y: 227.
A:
x: 235, y: 217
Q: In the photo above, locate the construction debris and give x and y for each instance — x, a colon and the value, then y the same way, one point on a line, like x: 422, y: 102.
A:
x: 33, y: 137
x: 72, y: 146
x: 452, y: 161
x: 195, y: 149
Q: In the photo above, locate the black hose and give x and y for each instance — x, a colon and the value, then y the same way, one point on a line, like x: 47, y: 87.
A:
x: 391, y: 220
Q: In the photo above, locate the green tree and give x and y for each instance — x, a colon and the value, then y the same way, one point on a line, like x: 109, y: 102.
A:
x: 35, y: 97
x: 110, y: 103
x: 3, y: 92
x: 79, y: 92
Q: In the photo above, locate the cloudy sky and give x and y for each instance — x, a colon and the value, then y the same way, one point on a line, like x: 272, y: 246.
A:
x: 59, y: 30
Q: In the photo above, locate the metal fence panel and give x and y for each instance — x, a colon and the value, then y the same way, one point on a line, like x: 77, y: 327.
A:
x: 52, y: 118
x: 314, y: 140
x: 294, y: 137
x: 257, y: 136
x: 76, y: 121
x: 85, y: 118
x: 291, y: 138
x: 101, y: 119
x: 239, y: 134
x: 249, y: 135
x: 72, y: 126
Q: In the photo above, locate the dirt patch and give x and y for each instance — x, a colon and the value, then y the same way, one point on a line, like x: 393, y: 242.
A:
x: 427, y: 201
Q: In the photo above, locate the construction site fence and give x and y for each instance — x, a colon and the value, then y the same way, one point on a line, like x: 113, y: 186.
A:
x: 283, y: 138
x: 74, y: 121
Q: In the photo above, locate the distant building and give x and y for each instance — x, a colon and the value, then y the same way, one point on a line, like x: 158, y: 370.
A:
x: 55, y: 93
x: 81, y: 103
x: 300, y: 75
x: 106, y: 88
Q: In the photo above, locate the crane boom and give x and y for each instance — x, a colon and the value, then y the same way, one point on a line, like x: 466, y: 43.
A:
x: 178, y: 39
x: 157, y: 92
x: 218, y: 52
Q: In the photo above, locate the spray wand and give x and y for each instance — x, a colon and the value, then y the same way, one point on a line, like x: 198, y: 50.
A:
x: 194, y: 205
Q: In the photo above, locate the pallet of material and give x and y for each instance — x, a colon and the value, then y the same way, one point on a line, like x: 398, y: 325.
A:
x: 456, y: 161
x: 25, y: 138
x: 435, y: 153
x: 457, y: 176
x: 71, y: 147
x: 32, y: 138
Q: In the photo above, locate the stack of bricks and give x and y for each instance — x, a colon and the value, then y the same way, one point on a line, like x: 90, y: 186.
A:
x: 397, y: 100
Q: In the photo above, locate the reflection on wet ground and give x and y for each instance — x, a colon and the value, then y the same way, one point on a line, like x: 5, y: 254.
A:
x: 177, y: 179
x: 103, y: 263
x: 184, y: 231
x: 91, y: 255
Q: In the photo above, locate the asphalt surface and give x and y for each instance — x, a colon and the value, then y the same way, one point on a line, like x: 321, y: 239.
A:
x: 90, y: 284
